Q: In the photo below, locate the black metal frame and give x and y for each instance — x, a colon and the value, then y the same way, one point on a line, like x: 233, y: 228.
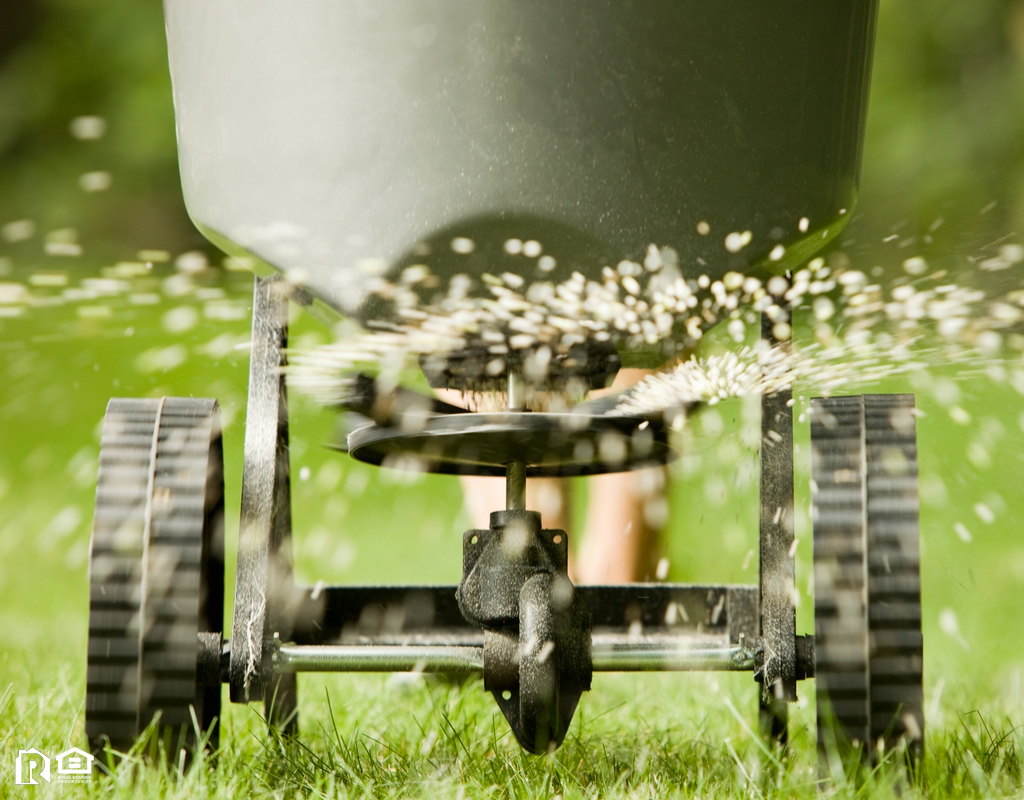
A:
x: 777, y: 669
x: 269, y: 608
x: 264, y: 585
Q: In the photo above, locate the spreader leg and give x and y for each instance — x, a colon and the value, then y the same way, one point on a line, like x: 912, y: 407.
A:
x: 264, y: 591
x: 778, y: 614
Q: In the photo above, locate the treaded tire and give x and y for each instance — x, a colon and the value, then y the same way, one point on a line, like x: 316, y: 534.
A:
x: 867, y: 585
x: 156, y: 574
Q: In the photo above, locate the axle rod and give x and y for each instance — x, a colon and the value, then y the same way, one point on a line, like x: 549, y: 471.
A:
x: 607, y: 657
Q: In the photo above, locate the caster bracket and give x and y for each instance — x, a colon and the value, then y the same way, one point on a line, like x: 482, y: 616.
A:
x: 537, y: 657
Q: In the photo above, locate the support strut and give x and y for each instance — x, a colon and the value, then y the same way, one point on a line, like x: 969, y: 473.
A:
x: 264, y: 593
x: 777, y: 670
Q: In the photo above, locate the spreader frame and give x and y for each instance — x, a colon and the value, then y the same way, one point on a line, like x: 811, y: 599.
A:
x: 515, y: 617
x: 280, y: 629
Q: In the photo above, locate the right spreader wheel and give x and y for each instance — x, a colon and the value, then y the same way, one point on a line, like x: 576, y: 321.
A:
x: 867, y: 584
x: 156, y: 576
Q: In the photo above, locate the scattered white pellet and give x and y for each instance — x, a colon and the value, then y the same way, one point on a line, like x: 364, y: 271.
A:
x: 736, y: 241
x: 915, y: 266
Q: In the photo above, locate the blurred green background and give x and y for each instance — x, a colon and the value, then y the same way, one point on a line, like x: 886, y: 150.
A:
x: 96, y: 300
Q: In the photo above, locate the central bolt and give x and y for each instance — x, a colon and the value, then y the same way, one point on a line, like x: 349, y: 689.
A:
x: 515, y: 471
x: 515, y: 486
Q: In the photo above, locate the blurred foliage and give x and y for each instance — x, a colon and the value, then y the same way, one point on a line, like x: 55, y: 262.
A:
x: 945, y: 133
x: 61, y: 59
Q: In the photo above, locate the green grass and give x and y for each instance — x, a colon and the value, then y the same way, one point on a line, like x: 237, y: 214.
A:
x: 656, y: 736
x: 633, y: 736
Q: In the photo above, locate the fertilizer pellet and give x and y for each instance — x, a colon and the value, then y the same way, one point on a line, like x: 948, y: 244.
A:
x: 848, y: 330
x: 862, y: 332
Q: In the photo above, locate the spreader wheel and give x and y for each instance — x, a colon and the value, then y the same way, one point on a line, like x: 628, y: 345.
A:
x: 867, y: 584
x: 156, y: 575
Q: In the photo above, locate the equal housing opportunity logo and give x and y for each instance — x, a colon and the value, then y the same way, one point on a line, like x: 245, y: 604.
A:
x: 32, y: 767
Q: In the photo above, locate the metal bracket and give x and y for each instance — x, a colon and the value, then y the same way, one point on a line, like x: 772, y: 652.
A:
x: 537, y: 659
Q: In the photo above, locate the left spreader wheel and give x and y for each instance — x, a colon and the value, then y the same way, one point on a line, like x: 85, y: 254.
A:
x: 156, y: 576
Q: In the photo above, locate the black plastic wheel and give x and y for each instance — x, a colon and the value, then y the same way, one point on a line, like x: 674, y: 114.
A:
x: 867, y: 585
x: 156, y: 574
